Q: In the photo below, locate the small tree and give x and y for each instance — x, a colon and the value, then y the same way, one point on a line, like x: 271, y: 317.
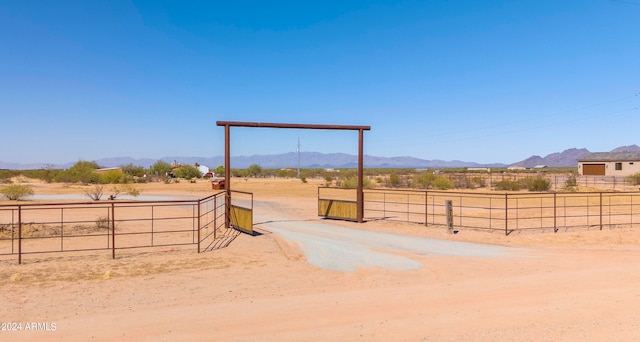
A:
x: 254, y: 170
x: 160, y: 168
x: 187, y: 172
x: 16, y: 192
x: 133, y: 170
x: 82, y: 171
x: 95, y: 193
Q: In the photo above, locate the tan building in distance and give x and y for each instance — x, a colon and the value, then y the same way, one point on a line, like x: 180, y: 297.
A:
x: 620, y: 164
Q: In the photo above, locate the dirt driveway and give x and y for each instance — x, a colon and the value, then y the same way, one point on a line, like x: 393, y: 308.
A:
x: 314, y: 280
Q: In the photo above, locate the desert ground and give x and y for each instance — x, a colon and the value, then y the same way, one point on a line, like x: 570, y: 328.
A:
x: 306, y: 278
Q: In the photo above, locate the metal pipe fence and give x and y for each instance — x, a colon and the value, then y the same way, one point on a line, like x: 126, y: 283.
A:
x: 507, y: 212
x: 557, y: 181
x: 39, y: 228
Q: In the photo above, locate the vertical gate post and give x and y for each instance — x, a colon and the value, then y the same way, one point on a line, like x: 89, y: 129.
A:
x: 215, y: 215
x: 113, y: 230
x: 506, y: 214
x: 198, y: 226
x: 227, y: 175
x: 601, y: 210
x: 19, y: 234
x: 360, y: 195
x: 555, y: 213
x: 449, y: 207
x: 426, y: 208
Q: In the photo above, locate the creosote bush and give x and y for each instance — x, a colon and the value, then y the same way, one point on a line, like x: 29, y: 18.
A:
x: 634, y: 179
x: 16, y: 192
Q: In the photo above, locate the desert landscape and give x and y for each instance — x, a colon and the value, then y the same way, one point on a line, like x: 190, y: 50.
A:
x: 305, y: 278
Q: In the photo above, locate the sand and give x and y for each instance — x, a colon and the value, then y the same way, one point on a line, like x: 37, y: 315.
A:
x: 565, y: 286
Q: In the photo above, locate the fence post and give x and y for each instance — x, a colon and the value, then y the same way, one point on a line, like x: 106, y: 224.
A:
x: 601, y: 211
x: 555, y: 213
x: 215, y: 214
x: 449, y: 208
x: 198, y: 226
x: 426, y: 208
x: 113, y: 230
x: 19, y: 234
x: 506, y: 214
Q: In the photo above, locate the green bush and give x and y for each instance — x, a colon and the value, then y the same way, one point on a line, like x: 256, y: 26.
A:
x: 160, y: 168
x: 133, y: 170
x: 254, y: 170
x: 423, y: 180
x: 539, y: 184
x: 16, y: 192
x: 352, y: 183
x: 571, y: 183
x: 508, y: 185
x: 634, y: 179
x: 394, y: 181
x: 187, y: 172
x: 111, y: 177
x: 82, y: 171
x: 466, y: 182
x: 442, y: 183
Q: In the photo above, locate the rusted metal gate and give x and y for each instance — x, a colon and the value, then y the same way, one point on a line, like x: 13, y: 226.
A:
x: 241, y: 217
x: 336, y: 203
x: 241, y: 211
x: 338, y: 209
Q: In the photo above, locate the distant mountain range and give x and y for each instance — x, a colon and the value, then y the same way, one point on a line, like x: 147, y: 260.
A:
x: 566, y: 158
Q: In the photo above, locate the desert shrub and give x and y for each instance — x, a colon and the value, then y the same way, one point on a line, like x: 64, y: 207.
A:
x: 538, y: 184
x: 160, y: 168
x: 427, y: 180
x: 5, y: 175
x: 128, y: 189
x: 254, y: 170
x: 508, y: 185
x: 133, y: 170
x: 466, y: 182
x: 103, y: 222
x: 423, y: 180
x: 394, y: 181
x: 442, y: 183
x: 16, y: 192
x: 328, y: 179
x: 82, y: 171
x: 187, y: 172
x: 352, y: 183
x: 634, y: 179
x: 111, y: 177
x: 286, y: 173
x: 571, y: 183
x: 95, y: 193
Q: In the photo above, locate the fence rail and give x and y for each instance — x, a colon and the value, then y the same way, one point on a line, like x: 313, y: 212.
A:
x: 558, y: 182
x: 37, y: 228
x: 506, y: 212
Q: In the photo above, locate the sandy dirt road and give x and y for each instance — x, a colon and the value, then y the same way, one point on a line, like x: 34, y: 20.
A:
x: 579, y: 286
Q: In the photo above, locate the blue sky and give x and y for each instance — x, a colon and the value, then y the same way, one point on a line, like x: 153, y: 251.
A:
x: 482, y: 81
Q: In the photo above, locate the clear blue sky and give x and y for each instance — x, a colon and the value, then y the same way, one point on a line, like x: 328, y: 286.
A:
x: 484, y: 81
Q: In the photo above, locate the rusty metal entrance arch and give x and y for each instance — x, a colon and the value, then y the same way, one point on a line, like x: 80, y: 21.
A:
x: 227, y: 156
